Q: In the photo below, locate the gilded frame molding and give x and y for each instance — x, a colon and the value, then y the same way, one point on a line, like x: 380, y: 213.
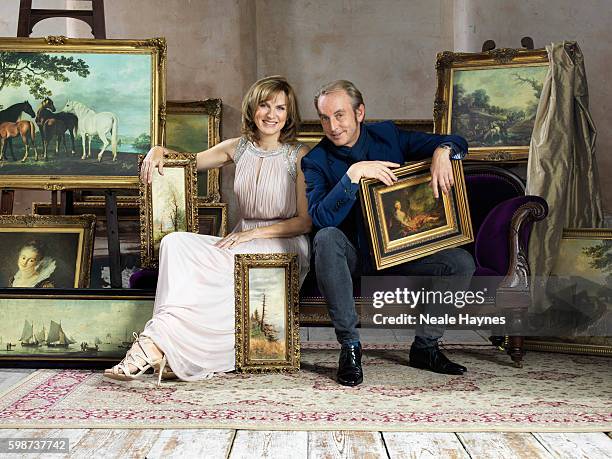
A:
x: 220, y: 208
x: 84, y: 225
x: 148, y: 258
x: 457, y: 231
x: 448, y: 61
x: 212, y: 108
x: 89, y: 298
x: 156, y: 47
x: 242, y: 264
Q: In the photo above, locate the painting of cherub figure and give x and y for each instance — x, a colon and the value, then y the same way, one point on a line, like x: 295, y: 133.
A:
x: 412, y: 210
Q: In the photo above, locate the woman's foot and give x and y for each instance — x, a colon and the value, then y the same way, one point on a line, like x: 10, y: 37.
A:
x: 142, y: 356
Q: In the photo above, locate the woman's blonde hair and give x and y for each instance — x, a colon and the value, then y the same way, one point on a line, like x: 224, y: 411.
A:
x: 263, y: 90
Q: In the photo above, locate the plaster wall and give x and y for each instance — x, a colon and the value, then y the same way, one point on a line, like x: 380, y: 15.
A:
x: 387, y: 47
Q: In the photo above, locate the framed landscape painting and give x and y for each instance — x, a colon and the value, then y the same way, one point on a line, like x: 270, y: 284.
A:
x: 191, y: 127
x: 168, y: 204
x: 267, y: 317
x: 70, y: 326
x: 89, y: 107
x: 580, y: 288
x: 406, y: 222
x: 46, y: 251
x: 490, y: 99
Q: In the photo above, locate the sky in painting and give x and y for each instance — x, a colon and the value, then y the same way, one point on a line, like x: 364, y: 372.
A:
x: 117, y: 83
x: 500, y: 82
x: 272, y: 282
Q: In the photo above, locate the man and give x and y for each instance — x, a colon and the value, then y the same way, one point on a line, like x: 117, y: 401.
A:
x: 349, y: 152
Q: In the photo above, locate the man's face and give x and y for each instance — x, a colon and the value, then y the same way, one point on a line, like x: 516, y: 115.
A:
x: 340, y: 122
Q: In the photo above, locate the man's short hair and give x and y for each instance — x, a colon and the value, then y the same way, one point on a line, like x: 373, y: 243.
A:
x: 340, y: 85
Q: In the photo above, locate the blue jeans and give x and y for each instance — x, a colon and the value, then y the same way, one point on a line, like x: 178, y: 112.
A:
x: 337, y: 262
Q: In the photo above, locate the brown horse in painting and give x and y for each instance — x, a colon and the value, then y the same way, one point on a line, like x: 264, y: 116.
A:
x: 55, y: 124
x: 24, y: 129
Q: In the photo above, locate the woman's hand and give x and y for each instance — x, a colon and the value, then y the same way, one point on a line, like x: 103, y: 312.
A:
x: 233, y: 239
x: 441, y: 172
x: 154, y: 158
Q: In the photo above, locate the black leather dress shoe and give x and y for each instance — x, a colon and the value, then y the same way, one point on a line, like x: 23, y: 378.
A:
x: 432, y: 359
x: 349, y: 367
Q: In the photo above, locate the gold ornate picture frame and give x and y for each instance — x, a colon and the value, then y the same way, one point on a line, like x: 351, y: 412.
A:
x: 168, y: 204
x: 191, y: 127
x: 405, y: 222
x: 311, y: 131
x: 46, y: 251
x: 490, y: 99
x: 81, y: 87
x: 585, y: 259
x: 267, y: 316
x: 84, y: 326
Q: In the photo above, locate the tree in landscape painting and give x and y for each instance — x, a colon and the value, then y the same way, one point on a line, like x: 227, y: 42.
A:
x: 496, y: 107
x: 32, y: 69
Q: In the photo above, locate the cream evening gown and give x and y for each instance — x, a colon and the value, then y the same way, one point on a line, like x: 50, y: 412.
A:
x: 193, y: 317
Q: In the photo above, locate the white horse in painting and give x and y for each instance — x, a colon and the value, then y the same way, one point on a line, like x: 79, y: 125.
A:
x: 91, y: 123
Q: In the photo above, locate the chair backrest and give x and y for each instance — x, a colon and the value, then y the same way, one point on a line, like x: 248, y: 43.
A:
x: 487, y: 186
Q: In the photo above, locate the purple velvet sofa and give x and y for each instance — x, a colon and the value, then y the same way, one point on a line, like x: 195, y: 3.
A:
x: 502, y: 217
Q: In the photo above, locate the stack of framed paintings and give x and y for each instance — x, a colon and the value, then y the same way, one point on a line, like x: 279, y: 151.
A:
x: 490, y: 99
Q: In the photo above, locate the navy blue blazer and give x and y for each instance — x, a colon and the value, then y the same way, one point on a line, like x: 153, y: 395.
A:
x: 332, y: 198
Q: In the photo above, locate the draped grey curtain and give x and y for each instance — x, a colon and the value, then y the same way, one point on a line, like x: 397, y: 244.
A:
x: 562, y: 167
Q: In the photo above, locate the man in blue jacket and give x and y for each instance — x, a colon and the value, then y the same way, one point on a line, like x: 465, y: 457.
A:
x: 349, y: 152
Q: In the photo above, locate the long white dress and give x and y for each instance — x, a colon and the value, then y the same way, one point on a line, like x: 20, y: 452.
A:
x: 193, y: 317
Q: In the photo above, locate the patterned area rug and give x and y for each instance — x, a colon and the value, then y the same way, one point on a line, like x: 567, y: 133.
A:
x: 553, y: 392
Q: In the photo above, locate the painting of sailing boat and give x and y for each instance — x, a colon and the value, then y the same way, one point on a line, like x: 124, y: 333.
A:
x: 45, y: 328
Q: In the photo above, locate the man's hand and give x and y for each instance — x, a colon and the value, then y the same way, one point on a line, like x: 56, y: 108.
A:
x: 373, y: 169
x: 441, y: 171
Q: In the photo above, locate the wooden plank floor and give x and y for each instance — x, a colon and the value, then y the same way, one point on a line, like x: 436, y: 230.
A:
x: 227, y: 443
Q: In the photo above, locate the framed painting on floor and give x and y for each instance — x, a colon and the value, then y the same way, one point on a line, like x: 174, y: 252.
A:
x: 267, y: 317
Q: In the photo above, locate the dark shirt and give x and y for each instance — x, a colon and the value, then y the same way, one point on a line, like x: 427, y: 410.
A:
x: 332, y: 198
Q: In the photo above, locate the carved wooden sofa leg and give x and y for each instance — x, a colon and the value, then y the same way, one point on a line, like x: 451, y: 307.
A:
x: 515, y: 349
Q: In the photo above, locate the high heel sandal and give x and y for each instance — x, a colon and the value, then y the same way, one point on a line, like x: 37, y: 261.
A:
x: 137, y: 358
x: 167, y: 373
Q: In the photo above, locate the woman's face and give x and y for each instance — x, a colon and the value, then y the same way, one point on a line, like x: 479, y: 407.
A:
x: 28, y: 258
x: 271, y: 115
x: 398, y: 205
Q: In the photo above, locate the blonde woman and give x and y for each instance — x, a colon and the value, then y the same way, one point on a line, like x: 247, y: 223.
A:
x: 192, y: 328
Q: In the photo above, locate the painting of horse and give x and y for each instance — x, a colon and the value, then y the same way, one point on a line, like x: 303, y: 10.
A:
x: 55, y: 124
x: 23, y: 129
x: 91, y: 123
x: 106, y: 95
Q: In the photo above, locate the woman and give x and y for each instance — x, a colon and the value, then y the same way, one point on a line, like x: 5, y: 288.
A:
x: 35, y: 270
x: 192, y: 328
